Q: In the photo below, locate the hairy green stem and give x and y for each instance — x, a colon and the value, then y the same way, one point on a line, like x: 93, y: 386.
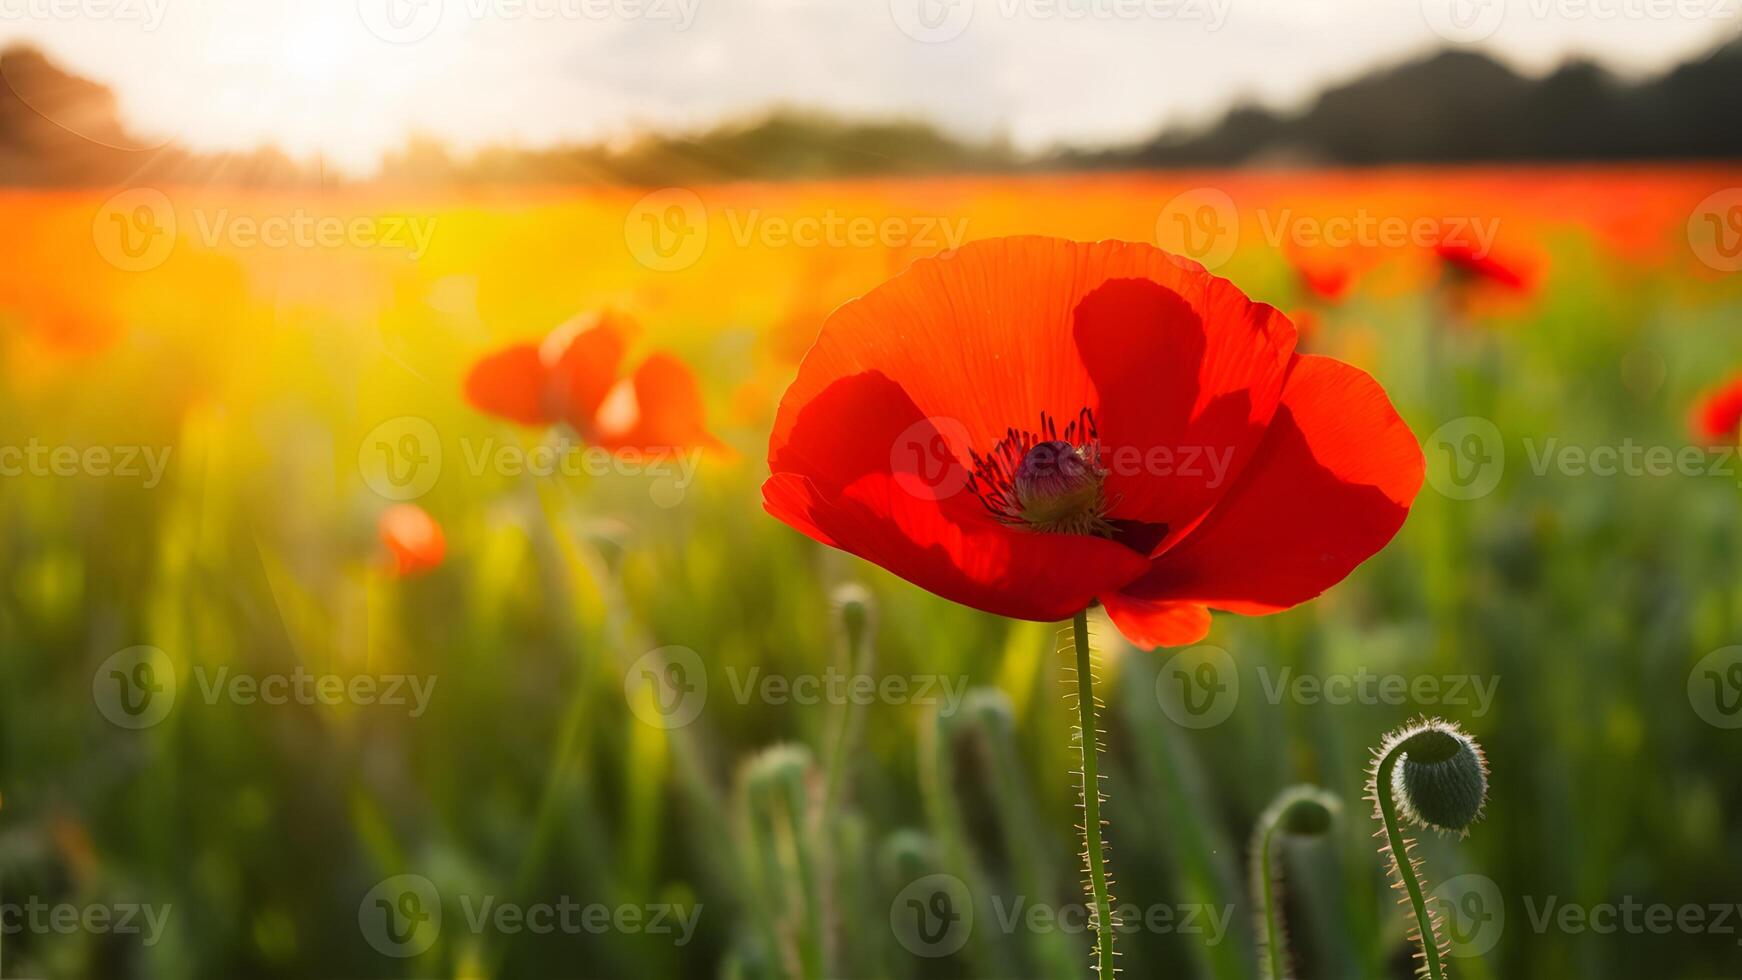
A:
x: 1430, y: 945
x: 859, y: 656
x: 1273, y: 941
x: 1093, y: 852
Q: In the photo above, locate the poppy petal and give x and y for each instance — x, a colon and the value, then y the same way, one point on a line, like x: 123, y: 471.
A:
x: 1187, y: 384
x: 1718, y: 416
x: 583, y: 367
x: 510, y: 384
x: 661, y: 409
x: 413, y: 538
x: 1152, y: 623
x: 1329, y: 486
x: 864, y: 470
x: 983, y: 336
x: 867, y: 424
x: 1044, y: 577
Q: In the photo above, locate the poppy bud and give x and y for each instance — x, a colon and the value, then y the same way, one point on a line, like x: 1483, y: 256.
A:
x: 1306, y: 811
x: 1442, y: 780
x: 1432, y: 775
x: 989, y: 708
x: 1299, y: 811
x: 854, y: 605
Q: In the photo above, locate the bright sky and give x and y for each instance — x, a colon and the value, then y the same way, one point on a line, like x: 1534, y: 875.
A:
x: 351, y: 78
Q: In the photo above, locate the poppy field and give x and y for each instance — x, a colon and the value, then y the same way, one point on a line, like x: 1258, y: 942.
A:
x: 509, y: 582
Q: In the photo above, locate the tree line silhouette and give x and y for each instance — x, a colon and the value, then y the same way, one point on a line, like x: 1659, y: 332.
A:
x: 1452, y: 106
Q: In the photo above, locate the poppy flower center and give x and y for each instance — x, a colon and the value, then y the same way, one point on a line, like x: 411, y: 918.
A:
x: 1042, y: 481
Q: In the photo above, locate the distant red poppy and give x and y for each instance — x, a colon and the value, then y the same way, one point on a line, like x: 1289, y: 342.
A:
x: 413, y: 538
x: 1468, y: 263
x: 1717, y: 418
x: 1329, y: 282
x: 572, y: 377
x: 1030, y: 425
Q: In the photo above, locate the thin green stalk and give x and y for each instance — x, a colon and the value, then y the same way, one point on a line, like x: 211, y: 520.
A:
x: 1298, y: 811
x: 1430, y: 941
x: 1273, y: 941
x: 860, y: 653
x: 1094, y: 853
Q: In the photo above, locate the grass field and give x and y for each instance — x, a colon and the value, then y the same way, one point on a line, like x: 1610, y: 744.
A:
x: 603, y: 738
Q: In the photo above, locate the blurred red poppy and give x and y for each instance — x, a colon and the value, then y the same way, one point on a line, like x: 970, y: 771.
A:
x: 1029, y: 425
x: 572, y: 376
x: 1467, y: 263
x: 1325, y: 281
x: 413, y: 539
x: 1717, y: 418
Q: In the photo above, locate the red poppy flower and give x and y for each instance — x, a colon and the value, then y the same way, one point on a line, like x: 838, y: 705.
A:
x: 1468, y: 263
x: 1326, y: 281
x: 572, y: 377
x: 413, y: 539
x: 1029, y: 425
x: 1718, y: 416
